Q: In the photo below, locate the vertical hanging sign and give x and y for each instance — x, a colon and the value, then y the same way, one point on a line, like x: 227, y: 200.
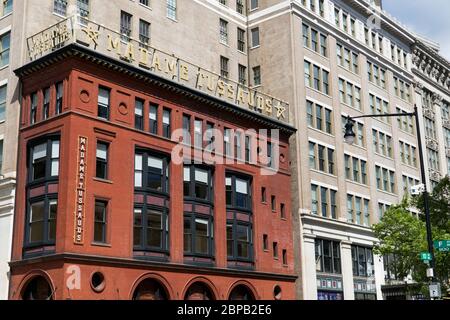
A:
x: 80, y: 191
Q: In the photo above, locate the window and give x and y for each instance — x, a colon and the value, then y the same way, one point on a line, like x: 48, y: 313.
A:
x: 314, y: 40
x: 60, y: 7
x: 186, y: 129
x: 377, y: 75
x: 3, y: 93
x: 357, y: 210
x: 198, y: 236
x: 239, y: 241
x: 34, y: 105
x: 145, y: 2
x: 198, y: 183
x: 430, y: 128
x: 406, y: 123
x: 265, y: 242
x: 319, y: 81
x: 257, y: 76
x: 319, y: 117
x: 403, y: 89
x: 41, y: 227
x: 253, y: 4
x: 144, y: 33
x: 322, y: 8
x: 321, y: 158
x: 379, y: 106
x: 224, y: 2
x: 433, y: 159
x: 283, y: 211
x: 328, y: 256
x: 385, y: 179
x: 240, y: 6
x: 198, y: 133
x: 151, y: 171
x: 347, y: 58
x: 151, y: 228
x: 337, y: 17
x: 5, y: 40
x: 349, y: 94
x: 7, y: 7
x: 172, y: 9
x: 362, y: 259
x: 238, y: 193
x: 153, y: 118
x: 241, y: 39
x: 323, y: 201
x: 139, y: 114
x: 284, y: 257
x: 242, y: 70
x: 100, y: 221
x: 125, y: 26
x: 263, y: 195
x: 408, y: 154
x: 83, y: 11
x: 273, y: 203
x: 275, y: 250
x: 59, y: 97
x: 102, y: 160
x: 224, y: 67
x: 355, y: 169
x: 46, y: 109
x: 409, y: 182
x: 223, y: 31
x: 42, y: 210
x: 167, y: 131
x: 255, y: 37
x: 103, y: 103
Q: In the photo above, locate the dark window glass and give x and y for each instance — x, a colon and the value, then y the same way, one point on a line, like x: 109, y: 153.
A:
x: 166, y: 123
x: 139, y: 114
x: 103, y: 103
x: 102, y: 160
x: 100, y: 221
x: 153, y: 116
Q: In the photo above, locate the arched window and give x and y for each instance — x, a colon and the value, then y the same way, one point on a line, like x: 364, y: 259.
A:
x: 241, y: 292
x: 37, y: 289
x: 150, y: 289
x: 199, y: 291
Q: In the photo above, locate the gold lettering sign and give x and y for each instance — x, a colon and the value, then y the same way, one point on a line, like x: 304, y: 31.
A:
x: 80, y: 191
x: 162, y: 64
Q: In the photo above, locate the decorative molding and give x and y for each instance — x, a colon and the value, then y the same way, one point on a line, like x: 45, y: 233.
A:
x: 432, y: 144
x: 429, y: 113
x: 437, y: 98
x: 435, y: 175
x: 446, y: 123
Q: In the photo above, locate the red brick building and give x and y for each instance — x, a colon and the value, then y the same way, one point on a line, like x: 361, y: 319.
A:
x: 103, y: 211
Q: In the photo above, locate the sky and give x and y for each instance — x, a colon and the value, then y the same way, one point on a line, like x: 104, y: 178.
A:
x: 429, y: 18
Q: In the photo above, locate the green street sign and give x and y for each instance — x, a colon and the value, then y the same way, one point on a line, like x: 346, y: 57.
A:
x: 442, y: 245
x: 425, y: 256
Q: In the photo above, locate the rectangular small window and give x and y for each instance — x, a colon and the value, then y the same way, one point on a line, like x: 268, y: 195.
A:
x: 242, y: 74
x: 253, y: 4
x: 125, y: 25
x: 59, y: 97
x: 284, y: 257
x: 102, y: 160
x: 275, y: 250
x: 224, y: 66
x: 144, y: 33
x: 46, y: 109
x: 153, y: 118
x: 240, y: 6
x: 227, y: 142
x: 283, y: 211
x: 223, y: 31
x: 100, y: 221
x: 1, y: 156
x: 273, y: 203
x: 34, y: 105
x: 198, y: 133
x: 186, y: 129
x: 172, y: 9
x: 7, y: 7
x: 139, y: 114
x: 166, y: 123
x: 60, y: 7
x: 241, y: 39
x: 3, y: 93
x: 257, y: 76
x: 5, y: 40
x: 265, y: 242
x: 255, y: 37
x: 83, y: 11
x: 263, y: 195
x: 104, y: 103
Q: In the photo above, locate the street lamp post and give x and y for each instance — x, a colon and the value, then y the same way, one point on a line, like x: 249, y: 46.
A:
x: 350, y: 138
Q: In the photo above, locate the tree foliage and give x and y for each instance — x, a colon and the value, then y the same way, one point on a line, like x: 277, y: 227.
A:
x: 403, y: 235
